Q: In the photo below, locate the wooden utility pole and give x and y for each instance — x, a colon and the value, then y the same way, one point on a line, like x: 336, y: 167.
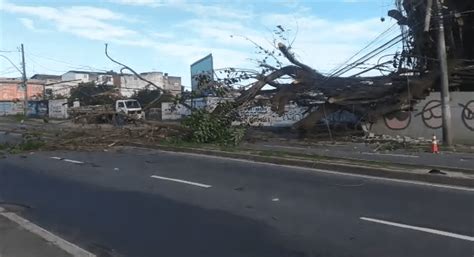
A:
x: 25, y: 84
x: 446, y: 110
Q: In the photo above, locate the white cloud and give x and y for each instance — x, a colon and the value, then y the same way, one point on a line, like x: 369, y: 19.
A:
x: 229, y: 33
x: 84, y: 21
x: 28, y: 23
x: 162, y: 35
x: 199, y: 9
x: 151, y: 3
x: 218, y: 11
x: 93, y: 12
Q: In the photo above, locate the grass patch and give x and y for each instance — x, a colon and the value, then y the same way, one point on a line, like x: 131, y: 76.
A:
x: 29, y: 143
x: 5, y: 146
x: 19, y: 117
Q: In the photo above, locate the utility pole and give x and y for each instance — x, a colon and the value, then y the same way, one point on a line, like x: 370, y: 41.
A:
x: 446, y: 110
x: 25, y: 85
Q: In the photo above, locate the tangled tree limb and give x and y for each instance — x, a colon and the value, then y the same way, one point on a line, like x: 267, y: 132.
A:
x: 369, y: 97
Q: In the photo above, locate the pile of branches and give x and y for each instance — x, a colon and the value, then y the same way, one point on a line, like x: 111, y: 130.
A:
x: 103, y: 137
x: 69, y: 136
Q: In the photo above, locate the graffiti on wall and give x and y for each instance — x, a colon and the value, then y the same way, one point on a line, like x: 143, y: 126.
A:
x: 37, y: 108
x: 397, y: 121
x: 264, y: 116
x: 431, y: 114
x: 11, y: 108
x: 467, y: 115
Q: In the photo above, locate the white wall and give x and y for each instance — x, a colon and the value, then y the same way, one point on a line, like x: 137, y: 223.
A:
x: 58, y: 109
x: 426, y: 120
x: 255, y: 116
x: 131, y: 84
x: 172, y: 111
x: 11, y: 108
x: 73, y: 76
x: 264, y: 116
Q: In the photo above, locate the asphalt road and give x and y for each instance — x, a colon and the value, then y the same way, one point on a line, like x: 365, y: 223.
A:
x: 136, y: 202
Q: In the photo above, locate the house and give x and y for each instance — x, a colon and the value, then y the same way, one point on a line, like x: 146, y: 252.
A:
x: 47, y: 78
x: 128, y: 84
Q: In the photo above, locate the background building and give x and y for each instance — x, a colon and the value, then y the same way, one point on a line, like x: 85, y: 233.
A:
x: 127, y: 84
x: 12, y: 89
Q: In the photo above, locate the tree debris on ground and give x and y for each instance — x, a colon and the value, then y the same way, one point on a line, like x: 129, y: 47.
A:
x: 71, y: 136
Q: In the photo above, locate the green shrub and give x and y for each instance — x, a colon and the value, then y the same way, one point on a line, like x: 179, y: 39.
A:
x: 207, y: 127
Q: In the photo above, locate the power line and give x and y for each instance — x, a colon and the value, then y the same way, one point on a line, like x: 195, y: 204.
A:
x: 71, y: 65
x: 8, y: 71
x: 11, y: 62
x: 8, y: 51
x: 382, y: 35
x: 368, y: 56
x: 35, y: 62
x: 373, y: 53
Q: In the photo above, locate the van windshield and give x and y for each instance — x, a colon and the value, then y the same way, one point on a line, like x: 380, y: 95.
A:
x: 132, y: 104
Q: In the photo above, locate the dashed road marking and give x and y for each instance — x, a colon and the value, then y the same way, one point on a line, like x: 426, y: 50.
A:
x: 427, y: 230
x: 73, y: 161
x: 182, y: 181
x: 66, y: 246
x: 66, y: 160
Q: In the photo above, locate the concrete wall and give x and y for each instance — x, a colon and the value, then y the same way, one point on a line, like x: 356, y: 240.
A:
x: 255, y: 116
x: 11, y: 108
x: 171, y: 111
x: 58, y: 109
x: 426, y: 120
x: 265, y: 117
x: 37, y: 109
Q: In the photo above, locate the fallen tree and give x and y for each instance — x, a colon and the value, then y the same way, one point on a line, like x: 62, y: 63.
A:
x: 369, y: 97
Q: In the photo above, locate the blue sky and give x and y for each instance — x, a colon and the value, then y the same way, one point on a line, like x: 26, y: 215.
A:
x: 168, y: 35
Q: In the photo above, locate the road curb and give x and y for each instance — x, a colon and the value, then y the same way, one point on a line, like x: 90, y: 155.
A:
x: 317, y: 164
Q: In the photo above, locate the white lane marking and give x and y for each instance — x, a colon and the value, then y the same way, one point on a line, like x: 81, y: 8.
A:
x: 73, y: 161
x: 67, y: 160
x: 392, y: 154
x: 182, y: 181
x: 66, y: 246
x: 427, y: 230
x: 419, y: 183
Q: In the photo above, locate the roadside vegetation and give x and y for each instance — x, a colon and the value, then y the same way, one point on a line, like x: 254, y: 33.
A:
x: 30, y: 142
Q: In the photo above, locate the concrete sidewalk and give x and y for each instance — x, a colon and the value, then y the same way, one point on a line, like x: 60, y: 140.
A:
x: 365, y: 152
x: 15, y: 241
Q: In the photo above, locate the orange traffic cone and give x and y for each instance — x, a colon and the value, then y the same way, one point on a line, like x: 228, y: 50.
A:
x: 434, y: 145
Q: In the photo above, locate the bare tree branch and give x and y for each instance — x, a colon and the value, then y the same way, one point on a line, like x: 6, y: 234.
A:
x: 163, y: 91
x: 291, y: 57
x: 132, y: 70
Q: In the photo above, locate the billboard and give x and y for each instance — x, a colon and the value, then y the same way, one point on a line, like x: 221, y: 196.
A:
x: 203, y: 66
